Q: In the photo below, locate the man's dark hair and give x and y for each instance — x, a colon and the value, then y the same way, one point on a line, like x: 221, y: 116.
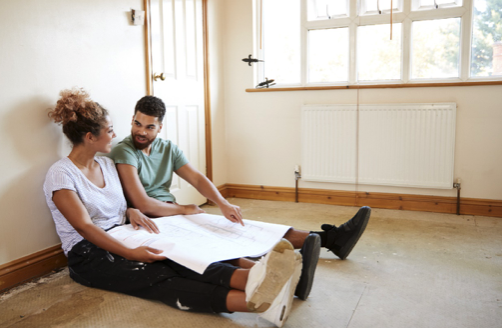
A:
x: 151, y: 106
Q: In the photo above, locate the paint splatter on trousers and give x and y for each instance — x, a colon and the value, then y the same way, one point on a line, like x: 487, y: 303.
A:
x: 165, y: 281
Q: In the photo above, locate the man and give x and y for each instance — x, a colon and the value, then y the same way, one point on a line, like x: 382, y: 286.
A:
x: 146, y: 165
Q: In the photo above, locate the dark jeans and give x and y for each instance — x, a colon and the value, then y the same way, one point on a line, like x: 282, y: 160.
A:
x: 165, y: 281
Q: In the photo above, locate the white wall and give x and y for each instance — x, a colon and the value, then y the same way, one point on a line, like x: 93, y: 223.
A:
x: 47, y: 46
x: 263, y: 129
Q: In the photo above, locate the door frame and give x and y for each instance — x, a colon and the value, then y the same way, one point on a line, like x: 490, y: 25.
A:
x: 207, y: 99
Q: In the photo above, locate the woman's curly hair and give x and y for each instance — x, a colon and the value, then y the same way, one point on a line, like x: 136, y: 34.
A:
x: 78, y: 114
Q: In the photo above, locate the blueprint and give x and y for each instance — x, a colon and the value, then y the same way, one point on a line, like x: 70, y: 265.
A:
x: 195, y: 241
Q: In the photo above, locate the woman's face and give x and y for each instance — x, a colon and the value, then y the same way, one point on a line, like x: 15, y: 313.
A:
x: 104, y: 141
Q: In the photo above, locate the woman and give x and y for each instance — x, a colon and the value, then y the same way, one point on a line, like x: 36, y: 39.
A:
x: 85, y: 197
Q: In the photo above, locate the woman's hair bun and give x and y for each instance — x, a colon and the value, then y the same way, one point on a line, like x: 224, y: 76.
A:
x: 78, y: 114
x: 72, y: 104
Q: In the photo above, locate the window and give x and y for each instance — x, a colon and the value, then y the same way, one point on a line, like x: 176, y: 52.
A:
x: 378, y: 57
x: 435, y: 48
x: 340, y: 42
x: 281, y: 44
x: 486, y: 55
x: 328, y: 55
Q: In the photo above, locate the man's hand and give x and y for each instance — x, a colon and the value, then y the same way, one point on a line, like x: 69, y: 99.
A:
x: 192, y: 209
x: 232, y: 213
x: 138, y: 219
x: 145, y: 254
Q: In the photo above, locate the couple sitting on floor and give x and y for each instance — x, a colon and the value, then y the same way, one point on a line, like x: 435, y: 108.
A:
x: 84, y: 193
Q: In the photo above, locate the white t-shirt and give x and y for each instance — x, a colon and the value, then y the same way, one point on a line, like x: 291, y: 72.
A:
x: 106, y: 206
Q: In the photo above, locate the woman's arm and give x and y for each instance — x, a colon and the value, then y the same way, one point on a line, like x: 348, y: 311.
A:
x: 71, y: 207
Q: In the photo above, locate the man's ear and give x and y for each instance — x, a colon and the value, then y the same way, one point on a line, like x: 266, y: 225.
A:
x: 160, y: 127
x: 132, y: 122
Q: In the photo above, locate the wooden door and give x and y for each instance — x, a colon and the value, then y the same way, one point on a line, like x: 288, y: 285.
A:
x: 177, y: 52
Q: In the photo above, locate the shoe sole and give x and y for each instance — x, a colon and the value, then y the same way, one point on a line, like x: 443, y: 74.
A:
x: 310, y: 258
x: 345, y: 251
x: 280, y: 315
x: 280, y: 267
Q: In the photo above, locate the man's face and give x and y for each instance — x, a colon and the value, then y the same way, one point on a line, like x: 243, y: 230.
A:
x: 144, y: 130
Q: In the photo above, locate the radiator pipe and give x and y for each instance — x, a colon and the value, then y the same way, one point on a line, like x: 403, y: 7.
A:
x: 457, y: 185
x: 297, y: 177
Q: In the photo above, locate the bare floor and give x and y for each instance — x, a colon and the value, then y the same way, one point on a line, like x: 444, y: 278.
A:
x: 409, y: 269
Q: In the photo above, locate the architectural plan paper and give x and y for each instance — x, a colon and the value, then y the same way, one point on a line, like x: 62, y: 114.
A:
x: 195, y: 241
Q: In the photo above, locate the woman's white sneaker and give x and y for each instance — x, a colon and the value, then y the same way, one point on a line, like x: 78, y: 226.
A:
x: 281, y: 307
x: 269, y: 275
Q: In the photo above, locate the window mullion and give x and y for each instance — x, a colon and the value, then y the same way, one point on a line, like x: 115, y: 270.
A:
x: 406, y: 50
x: 437, y: 14
x: 258, y: 46
x: 354, y: 17
x: 331, y: 23
x: 465, y: 40
x: 406, y: 42
x: 381, y: 19
x: 352, y: 53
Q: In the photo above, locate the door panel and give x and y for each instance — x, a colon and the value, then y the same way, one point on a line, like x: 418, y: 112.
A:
x: 177, y: 52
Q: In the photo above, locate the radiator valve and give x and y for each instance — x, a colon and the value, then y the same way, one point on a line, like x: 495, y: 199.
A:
x: 297, y: 172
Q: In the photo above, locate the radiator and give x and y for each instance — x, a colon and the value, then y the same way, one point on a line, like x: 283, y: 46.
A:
x: 405, y: 145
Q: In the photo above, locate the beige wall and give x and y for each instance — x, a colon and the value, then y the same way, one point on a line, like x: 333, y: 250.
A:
x: 46, y: 46
x: 263, y: 129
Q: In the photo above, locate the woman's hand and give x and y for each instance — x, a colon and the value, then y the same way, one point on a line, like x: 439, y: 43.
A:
x: 138, y: 219
x: 145, y: 254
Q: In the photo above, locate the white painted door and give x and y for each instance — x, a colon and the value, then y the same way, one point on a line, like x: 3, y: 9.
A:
x: 177, y: 52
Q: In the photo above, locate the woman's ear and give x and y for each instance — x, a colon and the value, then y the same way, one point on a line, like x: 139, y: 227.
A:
x: 89, y: 137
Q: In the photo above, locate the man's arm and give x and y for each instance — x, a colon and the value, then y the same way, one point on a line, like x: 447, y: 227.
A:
x: 137, y: 196
x: 208, y: 190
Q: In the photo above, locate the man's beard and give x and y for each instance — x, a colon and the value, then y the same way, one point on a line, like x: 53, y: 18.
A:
x: 143, y: 145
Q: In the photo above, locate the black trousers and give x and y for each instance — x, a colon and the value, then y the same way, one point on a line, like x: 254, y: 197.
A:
x: 165, y: 281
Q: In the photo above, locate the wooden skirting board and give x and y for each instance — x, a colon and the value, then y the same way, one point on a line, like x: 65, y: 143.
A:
x: 438, y: 204
x: 31, y: 266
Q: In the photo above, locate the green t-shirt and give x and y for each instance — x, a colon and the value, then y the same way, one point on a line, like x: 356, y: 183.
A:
x: 155, y: 171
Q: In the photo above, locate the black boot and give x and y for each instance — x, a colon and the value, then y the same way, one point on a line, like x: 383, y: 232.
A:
x: 310, y: 256
x: 341, y: 240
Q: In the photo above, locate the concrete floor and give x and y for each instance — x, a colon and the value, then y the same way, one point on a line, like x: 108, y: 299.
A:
x: 410, y: 269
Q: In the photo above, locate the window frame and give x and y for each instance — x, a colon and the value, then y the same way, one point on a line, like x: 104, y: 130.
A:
x: 405, y: 16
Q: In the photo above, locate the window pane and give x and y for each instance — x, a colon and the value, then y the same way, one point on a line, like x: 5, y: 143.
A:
x: 324, y: 9
x: 486, y: 58
x: 429, y: 4
x: 435, y: 50
x: 281, y: 40
x: 328, y: 55
x: 424, y: 3
x: 372, y: 6
x: 385, y: 4
x: 378, y: 57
